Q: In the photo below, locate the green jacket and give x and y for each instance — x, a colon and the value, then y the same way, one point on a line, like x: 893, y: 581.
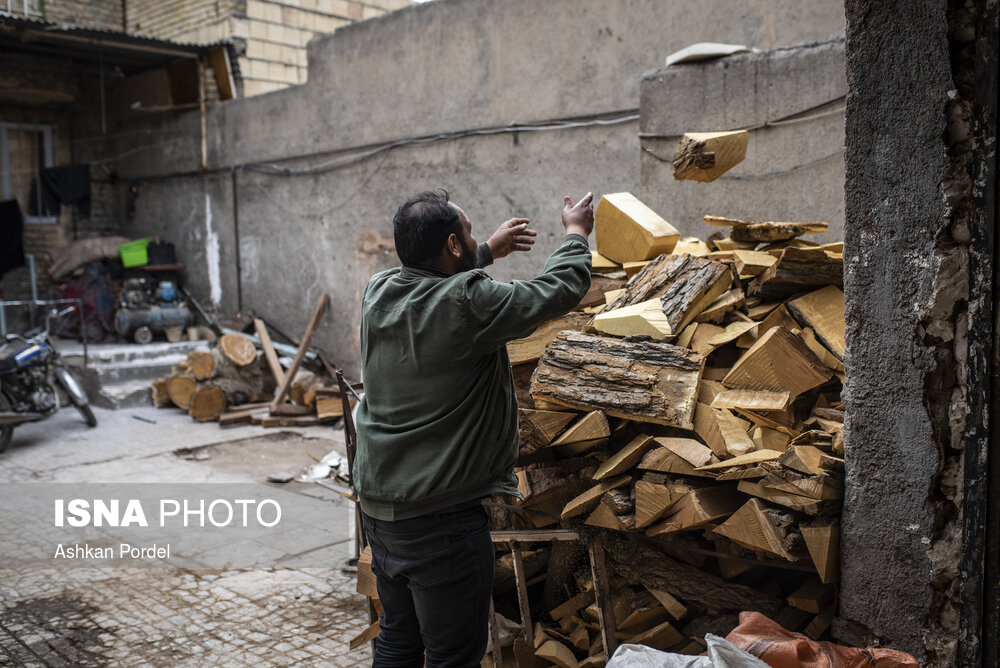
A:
x: 437, y: 425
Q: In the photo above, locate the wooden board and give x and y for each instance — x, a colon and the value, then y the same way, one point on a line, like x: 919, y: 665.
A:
x: 588, y: 500
x: 760, y: 528
x: 272, y: 358
x: 366, y: 578
x: 602, y: 516
x: 797, y: 270
x: 537, y: 429
x: 530, y: 348
x: 643, y: 319
x: 626, y: 230
x: 705, y: 156
x: 624, y: 459
x: 685, y: 286
x: 755, y: 457
x: 823, y: 311
x: 778, y: 362
x: 645, y: 381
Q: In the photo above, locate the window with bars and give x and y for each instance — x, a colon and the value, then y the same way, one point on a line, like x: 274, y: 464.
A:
x: 30, y: 8
x: 24, y: 151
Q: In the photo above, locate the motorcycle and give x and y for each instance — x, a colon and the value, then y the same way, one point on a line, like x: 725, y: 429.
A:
x: 30, y: 371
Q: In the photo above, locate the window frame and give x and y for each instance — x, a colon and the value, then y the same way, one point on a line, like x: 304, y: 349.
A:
x: 5, y: 185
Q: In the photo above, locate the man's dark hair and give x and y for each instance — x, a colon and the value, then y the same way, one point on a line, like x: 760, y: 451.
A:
x: 422, y: 225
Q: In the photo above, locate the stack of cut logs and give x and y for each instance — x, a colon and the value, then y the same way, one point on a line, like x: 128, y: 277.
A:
x: 688, y: 412
x: 234, y: 384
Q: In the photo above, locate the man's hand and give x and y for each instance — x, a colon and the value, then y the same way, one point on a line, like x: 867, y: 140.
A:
x: 579, y: 218
x: 513, y: 235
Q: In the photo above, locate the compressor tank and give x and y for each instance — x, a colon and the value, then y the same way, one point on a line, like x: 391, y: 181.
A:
x: 156, y: 318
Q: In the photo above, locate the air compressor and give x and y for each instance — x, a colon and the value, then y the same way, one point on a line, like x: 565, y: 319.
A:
x: 146, y: 309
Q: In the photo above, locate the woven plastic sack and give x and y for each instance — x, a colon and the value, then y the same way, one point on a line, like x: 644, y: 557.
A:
x: 720, y: 654
x: 781, y: 648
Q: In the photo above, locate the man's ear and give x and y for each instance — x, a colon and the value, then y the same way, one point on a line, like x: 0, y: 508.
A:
x: 453, y: 245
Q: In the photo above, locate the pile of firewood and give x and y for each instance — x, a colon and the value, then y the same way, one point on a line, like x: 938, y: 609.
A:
x: 242, y: 381
x: 690, y: 412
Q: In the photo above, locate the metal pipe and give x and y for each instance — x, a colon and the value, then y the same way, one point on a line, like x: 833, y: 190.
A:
x: 31, y: 271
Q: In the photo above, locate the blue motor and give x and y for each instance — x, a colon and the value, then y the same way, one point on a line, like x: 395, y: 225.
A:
x: 144, y: 312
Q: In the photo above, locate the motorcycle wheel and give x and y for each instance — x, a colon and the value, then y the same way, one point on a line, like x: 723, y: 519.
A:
x: 6, y: 433
x: 88, y: 415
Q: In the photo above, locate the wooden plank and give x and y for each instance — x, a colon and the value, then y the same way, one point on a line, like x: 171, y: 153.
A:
x: 705, y: 156
x: 685, y: 286
x: 626, y: 458
x: 506, y: 536
x: 367, y: 635
x: 530, y: 348
x: 760, y: 528
x: 797, y: 270
x: 269, y: 354
x: 522, y: 591
x: 779, y: 362
x: 572, y: 605
x: 586, y: 502
x: 314, y: 320
x: 366, y: 578
x: 823, y: 311
x: 626, y: 230
x: 644, y: 381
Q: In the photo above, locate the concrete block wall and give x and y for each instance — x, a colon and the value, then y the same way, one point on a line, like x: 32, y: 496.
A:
x: 274, y: 32
x: 443, y: 66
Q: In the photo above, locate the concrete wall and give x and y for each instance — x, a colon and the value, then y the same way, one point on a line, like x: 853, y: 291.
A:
x: 792, y: 172
x: 910, y: 223
x: 445, y: 66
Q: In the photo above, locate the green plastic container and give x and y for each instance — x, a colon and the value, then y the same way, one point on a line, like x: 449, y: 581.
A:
x: 135, y: 253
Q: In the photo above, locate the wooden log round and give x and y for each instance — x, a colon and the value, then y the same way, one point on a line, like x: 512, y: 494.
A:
x: 161, y: 398
x: 201, y: 364
x: 179, y: 389
x: 206, y: 403
x: 238, y: 349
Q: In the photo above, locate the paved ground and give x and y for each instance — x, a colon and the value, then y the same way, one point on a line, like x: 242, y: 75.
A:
x: 168, y: 616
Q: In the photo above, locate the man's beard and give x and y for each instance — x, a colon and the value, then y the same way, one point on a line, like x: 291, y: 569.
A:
x: 467, y: 262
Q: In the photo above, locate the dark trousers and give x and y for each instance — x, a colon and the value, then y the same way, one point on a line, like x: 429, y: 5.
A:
x: 435, y: 580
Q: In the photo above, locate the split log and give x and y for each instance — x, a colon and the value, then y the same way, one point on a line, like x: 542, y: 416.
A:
x: 206, y: 403
x: 643, y: 319
x: 705, y: 156
x: 633, y: 268
x: 685, y: 286
x: 624, y: 459
x: 824, y: 487
x: 655, y: 570
x: 803, y: 458
x: 717, y: 310
x: 689, y: 450
x: 179, y: 389
x: 558, y: 654
x: 540, y: 482
x: 778, y: 362
x: 587, y: 501
x: 823, y: 311
x: 766, y: 438
x: 797, y: 270
x: 794, y: 501
x: 660, y: 637
x: 813, y: 596
x: 756, y: 231
x: 697, y: 508
x: 599, y: 287
x: 733, y: 431
x: 761, y: 528
x: 691, y: 246
x: 656, y: 494
x: 201, y: 364
x: 823, y: 542
x: 749, y: 458
x: 238, y: 349
x: 366, y: 578
x: 752, y: 263
x: 537, y: 428
x: 588, y: 432
x: 161, y: 397
x: 620, y: 501
x: 674, y: 608
x: 600, y: 264
x: 530, y: 348
x: 706, y: 425
x: 644, y: 381
x: 663, y: 460
x: 626, y: 230
x: 779, y: 317
x: 754, y: 400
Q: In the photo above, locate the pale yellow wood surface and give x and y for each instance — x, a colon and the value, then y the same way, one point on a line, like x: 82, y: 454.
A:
x: 780, y: 362
x: 697, y: 508
x: 751, y: 527
x: 688, y: 449
x: 755, y: 400
x: 530, y: 348
x: 823, y: 311
x: 588, y: 500
x: 645, y: 318
x: 755, y: 457
x: 625, y: 458
x: 627, y: 230
x: 705, y: 156
x: 823, y: 543
x: 592, y: 427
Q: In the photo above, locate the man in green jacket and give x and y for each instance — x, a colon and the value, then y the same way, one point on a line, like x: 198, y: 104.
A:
x: 437, y: 426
